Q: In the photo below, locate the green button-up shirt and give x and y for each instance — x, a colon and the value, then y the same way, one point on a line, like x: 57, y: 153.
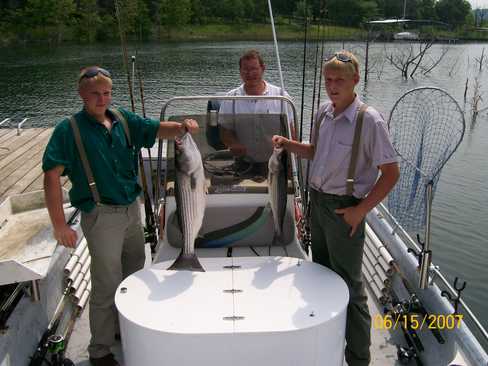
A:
x: 112, y: 160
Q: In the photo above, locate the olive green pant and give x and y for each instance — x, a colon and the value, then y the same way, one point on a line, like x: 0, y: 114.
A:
x: 333, y: 247
x: 115, y: 240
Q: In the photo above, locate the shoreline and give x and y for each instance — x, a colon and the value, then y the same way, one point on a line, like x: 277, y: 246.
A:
x: 242, y: 32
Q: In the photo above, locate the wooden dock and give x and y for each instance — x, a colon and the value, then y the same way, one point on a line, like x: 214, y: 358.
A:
x: 21, y: 160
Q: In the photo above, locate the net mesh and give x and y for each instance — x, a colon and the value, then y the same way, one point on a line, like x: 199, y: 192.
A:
x: 426, y: 126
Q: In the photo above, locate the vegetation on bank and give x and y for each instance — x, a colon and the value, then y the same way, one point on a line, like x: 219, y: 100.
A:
x: 87, y: 21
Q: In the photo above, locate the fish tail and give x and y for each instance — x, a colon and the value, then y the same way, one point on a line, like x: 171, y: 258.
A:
x: 187, y: 262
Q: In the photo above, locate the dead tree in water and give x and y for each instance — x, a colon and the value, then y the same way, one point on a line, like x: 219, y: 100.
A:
x: 409, y: 60
x: 480, y: 60
x: 475, y: 101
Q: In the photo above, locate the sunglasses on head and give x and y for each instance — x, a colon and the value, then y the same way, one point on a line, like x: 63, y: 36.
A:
x: 94, y: 71
x: 340, y: 57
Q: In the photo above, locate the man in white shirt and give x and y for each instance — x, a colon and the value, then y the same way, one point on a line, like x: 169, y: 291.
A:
x: 247, y: 126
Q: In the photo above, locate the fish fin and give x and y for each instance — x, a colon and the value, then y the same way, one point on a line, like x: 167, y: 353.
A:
x: 186, y: 262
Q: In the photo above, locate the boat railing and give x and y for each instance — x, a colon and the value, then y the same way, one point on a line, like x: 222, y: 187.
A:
x: 436, y: 274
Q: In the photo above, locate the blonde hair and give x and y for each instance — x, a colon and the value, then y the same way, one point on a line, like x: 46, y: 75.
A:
x: 349, y: 67
x: 99, y: 78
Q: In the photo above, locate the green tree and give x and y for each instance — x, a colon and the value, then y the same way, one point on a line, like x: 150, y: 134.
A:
x: 453, y: 12
x: 48, y: 19
x: 142, y: 21
x: 234, y: 10
x: 390, y: 8
x: 127, y: 11
x: 88, y: 21
x: 351, y: 12
x: 198, y: 12
x: 248, y: 7
x: 261, y: 11
x: 286, y: 8
x: 303, y: 9
x: 174, y: 14
x: 426, y: 10
x: 368, y: 10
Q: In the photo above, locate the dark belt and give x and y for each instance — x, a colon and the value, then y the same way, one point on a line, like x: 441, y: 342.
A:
x: 330, y: 196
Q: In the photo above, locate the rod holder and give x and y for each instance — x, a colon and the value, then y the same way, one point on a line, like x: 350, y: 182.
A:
x: 426, y: 259
x: 35, y: 291
x: 424, y: 269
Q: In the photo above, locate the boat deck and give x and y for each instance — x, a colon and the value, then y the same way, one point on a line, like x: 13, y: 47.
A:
x: 21, y: 160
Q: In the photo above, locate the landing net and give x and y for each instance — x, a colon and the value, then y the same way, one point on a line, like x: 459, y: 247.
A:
x: 426, y: 125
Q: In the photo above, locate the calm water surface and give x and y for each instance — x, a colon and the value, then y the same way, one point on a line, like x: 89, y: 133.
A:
x: 40, y: 83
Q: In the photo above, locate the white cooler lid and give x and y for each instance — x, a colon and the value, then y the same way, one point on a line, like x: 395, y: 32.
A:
x: 273, y: 294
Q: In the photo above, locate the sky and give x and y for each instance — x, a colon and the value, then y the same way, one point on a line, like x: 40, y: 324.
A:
x: 475, y: 4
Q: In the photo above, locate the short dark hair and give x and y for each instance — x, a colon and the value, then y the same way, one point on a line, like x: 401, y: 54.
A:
x: 251, y: 54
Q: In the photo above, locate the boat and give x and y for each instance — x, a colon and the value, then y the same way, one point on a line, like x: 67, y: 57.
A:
x: 257, y: 301
x: 406, y: 36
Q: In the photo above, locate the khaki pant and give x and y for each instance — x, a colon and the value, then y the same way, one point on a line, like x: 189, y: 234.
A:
x: 334, y: 248
x: 115, y: 240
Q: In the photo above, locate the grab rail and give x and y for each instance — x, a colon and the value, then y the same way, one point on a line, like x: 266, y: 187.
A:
x: 9, y: 121
x: 19, y: 126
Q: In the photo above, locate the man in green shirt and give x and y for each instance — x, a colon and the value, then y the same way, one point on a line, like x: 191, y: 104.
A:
x: 110, y: 140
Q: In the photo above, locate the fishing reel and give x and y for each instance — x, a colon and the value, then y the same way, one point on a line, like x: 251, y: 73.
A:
x: 56, y: 346
x: 406, y: 354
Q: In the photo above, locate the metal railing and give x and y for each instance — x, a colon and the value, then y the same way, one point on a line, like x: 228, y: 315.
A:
x: 9, y: 122
x: 296, y: 168
x: 434, y: 270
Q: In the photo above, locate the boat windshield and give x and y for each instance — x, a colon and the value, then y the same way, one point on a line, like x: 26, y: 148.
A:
x: 235, y: 149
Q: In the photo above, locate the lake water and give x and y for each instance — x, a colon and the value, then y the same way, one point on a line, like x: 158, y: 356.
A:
x: 40, y: 83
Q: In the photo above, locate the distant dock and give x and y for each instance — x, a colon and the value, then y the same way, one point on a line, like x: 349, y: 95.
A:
x: 21, y: 153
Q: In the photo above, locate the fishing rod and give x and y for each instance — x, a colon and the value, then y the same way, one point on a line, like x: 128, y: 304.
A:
x: 306, y: 196
x: 124, y: 54
x: 148, y: 206
x: 58, y: 343
x: 291, y: 131
x: 303, y: 71
x: 42, y: 348
x: 150, y: 227
x: 150, y: 230
x: 320, y: 67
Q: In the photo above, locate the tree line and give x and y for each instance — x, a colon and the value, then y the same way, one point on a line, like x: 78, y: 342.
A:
x: 95, y: 20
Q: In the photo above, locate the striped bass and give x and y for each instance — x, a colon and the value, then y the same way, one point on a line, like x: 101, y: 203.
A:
x: 277, y: 190
x: 190, y: 195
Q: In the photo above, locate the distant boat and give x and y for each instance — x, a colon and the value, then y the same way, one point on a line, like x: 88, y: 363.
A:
x: 406, y: 36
